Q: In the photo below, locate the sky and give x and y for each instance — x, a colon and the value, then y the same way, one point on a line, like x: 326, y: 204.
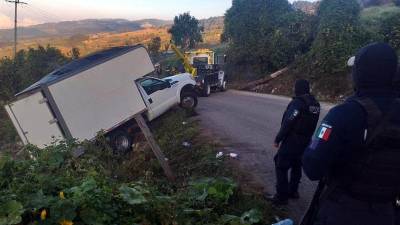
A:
x: 41, y: 11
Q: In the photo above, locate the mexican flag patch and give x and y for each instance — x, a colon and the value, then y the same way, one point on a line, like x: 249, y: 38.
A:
x: 324, y: 132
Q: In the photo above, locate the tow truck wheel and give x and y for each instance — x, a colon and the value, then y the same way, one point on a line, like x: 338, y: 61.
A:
x: 188, y: 100
x: 121, y: 142
x: 207, y: 90
x: 223, y: 87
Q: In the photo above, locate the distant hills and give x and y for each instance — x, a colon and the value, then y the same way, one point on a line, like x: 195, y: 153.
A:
x: 95, y: 26
x: 94, y: 35
x: 81, y: 27
x: 213, y: 23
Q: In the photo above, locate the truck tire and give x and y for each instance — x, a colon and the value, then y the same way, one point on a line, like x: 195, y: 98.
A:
x: 223, y: 87
x: 188, y: 100
x: 206, y: 89
x: 121, y: 142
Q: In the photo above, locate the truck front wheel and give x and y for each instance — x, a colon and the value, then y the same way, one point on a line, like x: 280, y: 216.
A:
x: 121, y: 142
x: 223, y: 86
x: 189, y: 100
x: 206, y: 89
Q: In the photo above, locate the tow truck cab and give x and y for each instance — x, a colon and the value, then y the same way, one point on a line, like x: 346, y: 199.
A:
x: 210, y: 73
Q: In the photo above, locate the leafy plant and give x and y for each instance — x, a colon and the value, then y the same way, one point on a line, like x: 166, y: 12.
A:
x: 10, y: 212
x: 213, y: 192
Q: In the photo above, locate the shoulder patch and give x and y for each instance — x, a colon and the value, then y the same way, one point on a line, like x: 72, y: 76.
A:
x: 324, y: 132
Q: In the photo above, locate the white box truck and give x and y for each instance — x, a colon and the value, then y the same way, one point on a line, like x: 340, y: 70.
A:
x: 100, y: 92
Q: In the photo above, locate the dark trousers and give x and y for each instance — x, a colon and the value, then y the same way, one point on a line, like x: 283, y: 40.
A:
x: 284, y: 185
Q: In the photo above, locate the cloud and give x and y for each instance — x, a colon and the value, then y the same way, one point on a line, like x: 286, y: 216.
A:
x: 29, y: 22
x: 7, y: 22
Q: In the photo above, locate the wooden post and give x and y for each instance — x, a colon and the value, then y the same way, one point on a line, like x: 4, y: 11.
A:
x: 154, y: 146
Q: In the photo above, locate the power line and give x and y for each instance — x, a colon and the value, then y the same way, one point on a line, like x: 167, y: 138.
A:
x: 16, y: 3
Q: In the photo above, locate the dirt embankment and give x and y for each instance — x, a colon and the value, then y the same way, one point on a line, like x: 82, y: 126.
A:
x: 328, y: 89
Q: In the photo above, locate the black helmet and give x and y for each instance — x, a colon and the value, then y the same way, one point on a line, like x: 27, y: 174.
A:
x: 301, y: 87
x: 375, y: 67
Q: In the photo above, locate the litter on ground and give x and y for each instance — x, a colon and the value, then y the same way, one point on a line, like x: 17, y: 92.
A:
x: 219, y: 155
x: 186, y: 144
x: 233, y: 155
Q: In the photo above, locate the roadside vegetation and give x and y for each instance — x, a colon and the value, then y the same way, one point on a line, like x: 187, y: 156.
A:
x: 263, y: 38
x: 58, y: 186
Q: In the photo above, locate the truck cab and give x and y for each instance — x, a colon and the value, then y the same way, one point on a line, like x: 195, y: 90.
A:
x: 160, y: 95
x: 209, y: 66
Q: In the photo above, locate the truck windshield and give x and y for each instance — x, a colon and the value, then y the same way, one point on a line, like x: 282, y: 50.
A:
x: 151, y: 85
x: 200, y: 61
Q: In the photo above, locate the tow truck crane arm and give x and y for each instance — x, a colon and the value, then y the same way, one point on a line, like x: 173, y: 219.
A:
x: 188, y: 68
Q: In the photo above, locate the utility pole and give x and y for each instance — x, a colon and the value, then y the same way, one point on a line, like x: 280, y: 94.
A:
x: 16, y: 2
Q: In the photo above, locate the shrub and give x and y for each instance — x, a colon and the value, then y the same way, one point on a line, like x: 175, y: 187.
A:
x: 339, y: 34
x: 265, y: 36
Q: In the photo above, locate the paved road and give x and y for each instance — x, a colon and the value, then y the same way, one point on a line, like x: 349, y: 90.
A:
x: 248, y: 122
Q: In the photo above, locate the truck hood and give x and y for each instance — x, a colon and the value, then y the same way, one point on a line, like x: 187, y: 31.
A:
x: 180, y: 77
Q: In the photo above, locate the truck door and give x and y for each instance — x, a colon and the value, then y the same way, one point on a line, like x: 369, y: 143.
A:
x: 34, y: 121
x: 159, y: 96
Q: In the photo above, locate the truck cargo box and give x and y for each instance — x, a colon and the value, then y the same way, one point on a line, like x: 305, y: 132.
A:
x: 95, y: 93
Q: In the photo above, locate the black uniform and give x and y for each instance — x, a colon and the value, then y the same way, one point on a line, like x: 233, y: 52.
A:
x: 357, y: 147
x: 298, y: 125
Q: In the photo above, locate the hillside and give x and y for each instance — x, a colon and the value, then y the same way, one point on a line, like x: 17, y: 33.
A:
x: 88, y: 42
x: 91, y: 43
x: 81, y: 27
x: 213, y: 28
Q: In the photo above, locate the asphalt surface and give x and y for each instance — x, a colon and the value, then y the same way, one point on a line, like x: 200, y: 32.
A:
x: 247, y: 123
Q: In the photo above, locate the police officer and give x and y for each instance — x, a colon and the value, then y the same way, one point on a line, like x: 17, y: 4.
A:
x: 298, y: 124
x: 356, y: 150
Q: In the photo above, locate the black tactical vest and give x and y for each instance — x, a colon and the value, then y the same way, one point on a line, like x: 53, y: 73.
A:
x: 308, y: 120
x: 373, y: 173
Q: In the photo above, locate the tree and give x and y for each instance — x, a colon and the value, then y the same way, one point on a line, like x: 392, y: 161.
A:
x: 339, y: 35
x: 186, y: 31
x: 154, y: 46
x: 390, y: 28
x: 265, y: 35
